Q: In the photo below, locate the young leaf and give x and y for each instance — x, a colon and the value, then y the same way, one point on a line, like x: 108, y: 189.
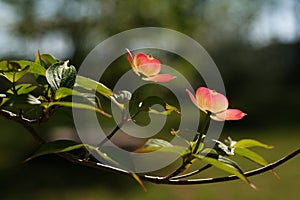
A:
x: 168, y: 110
x: 45, y: 60
x: 161, y: 145
x: 20, y: 101
x: 225, y: 164
x: 61, y: 146
x: 251, y: 155
x: 63, y: 92
x: 101, y: 154
x: 90, y: 84
x: 157, y: 143
x: 1, y: 98
x: 25, y: 88
x: 223, y: 148
x: 15, y: 69
x: 137, y: 178
x: 123, y: 96
x: 250, y: 143
x: 49, y: 59
x: 58, y: 146
x: 33, y: 68
x: 61, y: 75
x: 193, y: 146
x: 75, y: 105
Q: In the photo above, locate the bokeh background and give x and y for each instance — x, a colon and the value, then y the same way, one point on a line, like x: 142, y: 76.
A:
x: 255, y: 44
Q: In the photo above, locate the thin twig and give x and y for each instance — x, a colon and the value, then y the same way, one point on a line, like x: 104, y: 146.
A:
x: 193, y: 172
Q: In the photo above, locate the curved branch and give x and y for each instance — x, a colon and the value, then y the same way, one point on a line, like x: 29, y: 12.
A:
x: 24, y: 122
x: 163, y: 180
x: 233, y: 177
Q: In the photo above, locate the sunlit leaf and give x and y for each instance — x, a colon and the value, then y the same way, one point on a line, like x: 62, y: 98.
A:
x: 15, y: 69
x: 223, y: 148
x: 25, y: 88
x: 63, y: 92
x: 137, y: 178
x: 21, y: 101
x: 92, y: 98
x: 123, y: 96
x: 157, y: 143
x: 251, y: 155
x: 45, y: 60
x: 91, y: 85
x: 58, y: 146
x: 251, y: 143
x: 162, y: 146
x: 168, y: 110
x: 225, y: 164
x: 75, y: 105
x: 100, y: 153
x: 61, y: 75
x: 1, y: 98
x: 61, y: 146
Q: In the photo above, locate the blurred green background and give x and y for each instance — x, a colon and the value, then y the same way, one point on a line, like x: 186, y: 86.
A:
x: 255, y: 44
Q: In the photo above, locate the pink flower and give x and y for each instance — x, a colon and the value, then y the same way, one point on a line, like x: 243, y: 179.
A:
x: 217, y: 104
x: 148, y: 67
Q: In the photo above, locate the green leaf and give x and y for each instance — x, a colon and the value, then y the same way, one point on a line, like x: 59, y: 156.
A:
x: 100, y: 153
x: 58, y: 146
x: 250, y: 143
x: 137, y: 178
x: 157, y: 143
x: 168, y: 110
x: 225, y: 164
x: 90, y: 84
x: 63, y: 92
x: 45, y: 60
x: 61, y: 75
x: 193, y: 146
x: 75, y: 105
x: 19, y: 68
x: 61, y: 146
x: 223, y: 148
x: 1, y: 98
x: 161, y: 145
x: 92, y: 98
x: 153, y: 145
x: 21, y: 101
x: 251, y: 155
x: 25, y: 88
x: 123, y: 96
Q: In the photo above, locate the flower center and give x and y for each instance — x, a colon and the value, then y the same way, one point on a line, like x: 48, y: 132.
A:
x: 150, y: 57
